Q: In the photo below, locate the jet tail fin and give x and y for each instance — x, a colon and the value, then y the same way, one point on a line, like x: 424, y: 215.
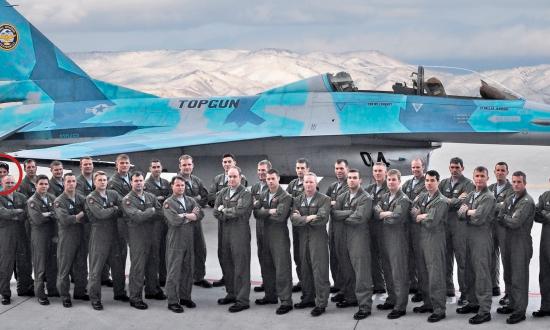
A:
x: 34, y: 70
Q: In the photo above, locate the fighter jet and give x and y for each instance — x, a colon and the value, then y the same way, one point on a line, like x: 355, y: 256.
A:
x: 51, y: 109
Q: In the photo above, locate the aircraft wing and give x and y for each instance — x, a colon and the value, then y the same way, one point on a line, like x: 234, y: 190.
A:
x: 134, y: 142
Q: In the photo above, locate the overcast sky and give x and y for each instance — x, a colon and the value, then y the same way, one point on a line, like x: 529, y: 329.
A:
x: 473, y: 33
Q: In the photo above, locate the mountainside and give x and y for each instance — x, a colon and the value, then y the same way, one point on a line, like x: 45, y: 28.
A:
x: 222, y: 72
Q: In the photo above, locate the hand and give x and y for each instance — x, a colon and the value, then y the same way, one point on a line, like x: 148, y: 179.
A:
x: 196, y: 210
x: 311, y: 218
x: 332, y: 203
x: 19, y: 211
x: 463, y: 209
x: 272, y: 211
x: 160, y: 198
x: 378, y: 209
x: 46, y: 214
x: 421, y: 217
x: 470, y: 212
x: 385, y: 214
x: 220, y: 208
x: 79, y: 216
x: 415, y: 211
x: 296, y: 213
x: 191, y: 216
x: 462, y: 196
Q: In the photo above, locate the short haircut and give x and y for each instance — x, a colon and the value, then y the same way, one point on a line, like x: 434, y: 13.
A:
x: 122, y: 157
x: 235, y: 167
x: 457, y: 160
x: 229, y: 155
x: 67, y: 175
x: 184, y: 157
x: 155, y: 160
x: 55, y: 163
x: 522, y: 174
x: 5, y: 166
x: 28, y: 161
x: 482, y: 169
x: 354, y: 170
x: 395, y: 172
x: 380, y: 164
x: 433, y: 173
x: 273, y: 171
x: 311, y: 174
x: 303, y: 161
x: 502, y: 164
x: 42, y: 177
x: 86, y: 158
x: 177, y: 177
x: 341, y: 160
x: 136, y: 174
x: 418, y: 160
x: 265, y: 162
x: 99, y: 173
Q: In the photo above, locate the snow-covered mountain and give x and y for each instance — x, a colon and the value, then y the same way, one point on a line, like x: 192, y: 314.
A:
x: 240, y: 72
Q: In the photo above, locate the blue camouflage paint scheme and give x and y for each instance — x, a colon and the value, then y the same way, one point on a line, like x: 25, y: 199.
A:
x: 56, y: 100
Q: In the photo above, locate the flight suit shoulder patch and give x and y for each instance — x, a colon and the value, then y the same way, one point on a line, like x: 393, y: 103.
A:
x: 56, y: 204
x: 31, y: 204
x: 166, y: 206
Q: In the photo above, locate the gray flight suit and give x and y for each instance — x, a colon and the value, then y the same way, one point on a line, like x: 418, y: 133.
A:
x: 395, y: 252
x: 142, y: 213
x: 479, y: 248
x: 256, y: 190
x: 499, y: 234
x: 23, y: 259
x: 456, y: 232
x: 235, y: 247
x: 334, y: 243
x: 85, y: 188
x: 432, y: 244
x: 313, y: 247
x: 162, y: 191
x: 277, y: 265
x: 517, y: 216
x: 412, y: 190
x: 542, y: 216
x: 376, y: 244
x: 122, y: 187
x: 72, y: 252
x: 218, y: 184
x: 179, y: 248
x: 56, y: 188
x: 12, y: 216
x: 27, y: 187
x: 44, y: 254
x: 354, y: 260
x: 296, y: 188
x: 195, y: 188
x: 103, y: 214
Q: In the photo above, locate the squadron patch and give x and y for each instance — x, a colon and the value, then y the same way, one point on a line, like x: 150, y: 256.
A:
x: 166, y: 206
x: 128, y: 202
x: 8, y: 37
x: 31, y: 204
x: 56, y: 204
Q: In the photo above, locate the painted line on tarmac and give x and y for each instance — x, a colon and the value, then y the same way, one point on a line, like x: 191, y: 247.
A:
x: 14, y: 306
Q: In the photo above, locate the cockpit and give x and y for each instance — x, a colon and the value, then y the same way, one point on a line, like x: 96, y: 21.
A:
x: 432, y: 86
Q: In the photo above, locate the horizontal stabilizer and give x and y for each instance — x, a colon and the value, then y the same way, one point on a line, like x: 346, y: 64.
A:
x: 7, y: 133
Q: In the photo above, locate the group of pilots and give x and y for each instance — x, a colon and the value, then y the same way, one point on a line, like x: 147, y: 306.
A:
x: 388, y: 237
